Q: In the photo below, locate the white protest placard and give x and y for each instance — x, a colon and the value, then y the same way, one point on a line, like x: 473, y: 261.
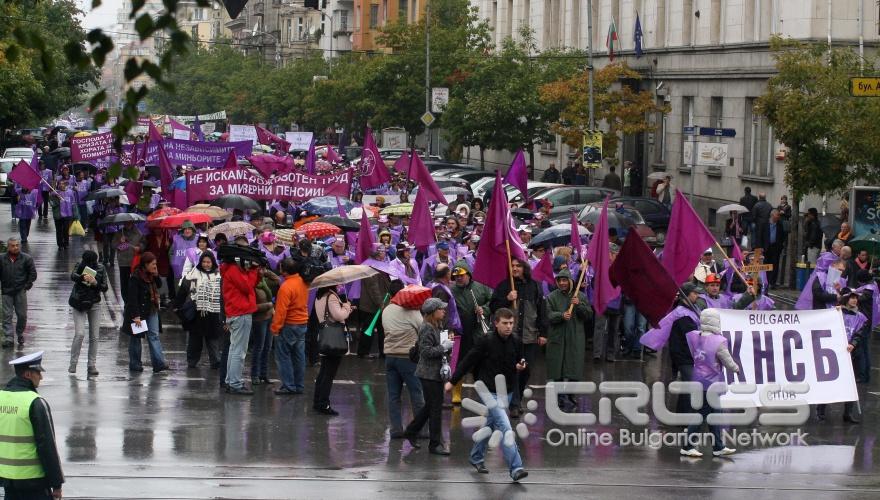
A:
x: 243, y: 133
x: 209, y: 127
x: 299, y: 140
x: 104, y: 130
x: 788, y: 347
x: 180, y: 134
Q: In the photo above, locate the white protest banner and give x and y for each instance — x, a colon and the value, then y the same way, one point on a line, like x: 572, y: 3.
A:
x: 299, y: 140
x: 180, y: 134
x: 788, y: 347
x: 209, y: 127
x: 91, y: 147
x: 243, y: 133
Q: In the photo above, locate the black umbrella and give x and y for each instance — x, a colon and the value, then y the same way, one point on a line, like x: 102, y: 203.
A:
x: 105, y: 193
x: 60, y: 152
x: 146, y: 184
x: 343, y: 223
x: 83, y: 165
x: 236, y: 202
x: 522, y: 214
x: 122, y: 218
x: 557, y: 236
x: 153, y: 171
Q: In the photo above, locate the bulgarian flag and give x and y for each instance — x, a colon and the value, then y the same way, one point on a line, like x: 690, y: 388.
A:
x: 611, y: 40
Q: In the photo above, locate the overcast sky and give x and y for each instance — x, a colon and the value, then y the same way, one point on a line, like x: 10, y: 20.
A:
x: 102, y: 17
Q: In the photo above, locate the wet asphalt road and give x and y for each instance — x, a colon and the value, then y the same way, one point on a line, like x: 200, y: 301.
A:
x: 176, y: 436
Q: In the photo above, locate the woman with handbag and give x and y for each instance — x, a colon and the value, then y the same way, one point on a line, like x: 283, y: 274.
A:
x: 143, y: 307
x: 198, y: 306
x: 332, y: 344
x: 89, y: 281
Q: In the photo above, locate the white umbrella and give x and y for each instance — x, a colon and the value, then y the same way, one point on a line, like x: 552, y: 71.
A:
x: 657, y: 176
x: 342, y: 275
x: 733, y: 207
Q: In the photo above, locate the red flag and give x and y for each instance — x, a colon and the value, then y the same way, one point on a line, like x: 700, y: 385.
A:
x: 599, y: 256
x: 374, y: 173
x: 365, y: 239
x: 154, y: 135
x: 686, y: 240
x: 643, y: 279
x: 491, y: 265
x: 421, y: 225
x: 543, y: 271
x: 419, y: 173
x: 25, y: 176
x: 518, y: 174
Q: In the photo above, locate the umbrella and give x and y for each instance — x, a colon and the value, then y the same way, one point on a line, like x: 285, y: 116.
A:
x: 557, y: 236
x: 733, y: 207
x: 146, y: 184
x: 398, y: 209
x: 177, y: 220
x: 214, y: 212
x: 105, y: 193
x: 230, y: 229
x: 456, y: 190
x: 657, y: 176
x: 122, y: 218
x: 236, y: 202
x: 162, y: 213
x: 286, y: 236
x: 617, y: 220
x: 314, y: 230
x: 869, y: 242
x: 523, y: 214
x: 82, y: 133
x: 83, y: 165
x: 342, y: 275
x: 326, y: 205
x: 61, y: 152
x: 343, y: 223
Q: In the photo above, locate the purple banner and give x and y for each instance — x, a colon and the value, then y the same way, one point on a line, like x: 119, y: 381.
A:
x: 204, y: 185
x: 91, y: 147
x: 195, y: 153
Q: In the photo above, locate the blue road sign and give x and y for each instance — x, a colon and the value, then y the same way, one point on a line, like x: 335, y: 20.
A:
x: 718, y: 132
x: 688, y: 130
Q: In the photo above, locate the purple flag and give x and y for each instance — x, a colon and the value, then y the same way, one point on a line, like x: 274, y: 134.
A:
x: 197, y: 129
x: 686, y: 240
x: 311, y: 159
x: 269, y: 164
x: 402, y: 164
x: 543, y: 271
x: 154, y: 135
x: 599, y: 256
x: 331, y: 155
x: 365, y: 240
x: 518, y: 174
x: 25, y: 176
x: 166, y: 170
x: 492, y: 262
x: 269, y: 139
x: 421, y: 225
x: 133, y: 190
x: 642, y: 279
x: 35, y: 165
x: 576, y: 237
x: 419, y: 173
x: 374, y: 173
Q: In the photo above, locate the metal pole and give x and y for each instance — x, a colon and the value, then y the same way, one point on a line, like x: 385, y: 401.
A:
x: 693, y: 164
x: 592, y: 124
x: 428, y: 70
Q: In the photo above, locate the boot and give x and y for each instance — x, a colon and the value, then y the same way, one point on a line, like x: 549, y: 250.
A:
x: 848, y: 416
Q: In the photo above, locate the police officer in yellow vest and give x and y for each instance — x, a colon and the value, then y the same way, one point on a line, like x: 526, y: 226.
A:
x: 29, y: 464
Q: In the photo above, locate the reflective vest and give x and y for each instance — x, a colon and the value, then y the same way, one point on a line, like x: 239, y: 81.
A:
x: 18, y: 450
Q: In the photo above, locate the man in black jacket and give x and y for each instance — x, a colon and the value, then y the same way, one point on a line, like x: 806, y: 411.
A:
x: 812, y: 235
x: 17, y: 276
x: 527, y: 302
x: 679, y: 351
x: 497, y: 355
x: 30, y: 467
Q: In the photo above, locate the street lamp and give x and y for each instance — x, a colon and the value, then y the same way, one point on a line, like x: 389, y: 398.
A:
x: 255, y: 32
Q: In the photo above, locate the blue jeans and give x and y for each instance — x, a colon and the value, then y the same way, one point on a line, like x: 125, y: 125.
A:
x: 239, y: 334
x: 260, y: 349
x: 497, y: 421
x: 399, y: 371
x: 157, y: 357
x: 634, y: 325
x: 290, y: 356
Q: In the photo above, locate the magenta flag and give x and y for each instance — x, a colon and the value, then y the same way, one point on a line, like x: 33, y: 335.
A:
x: 686, y: 240
x: 231, y: 161
x: 154, y: 135
x: 331, y: 155
x: 197, y: 129
x: 166, y: 172
x: 133, y: 190
x: 735, y: 253
x: 421, y: 225
x: 25, y: 176
x: 426, y: 183
x: 311, y: 159
x: 402, y: 164
x: 365, y: 240
x: 543, y: 271
x: 491, y: 265
x: 269, y: 139
x: 374, y: 173
x: 267, y: 165
x: 576, y: 236
x: 599, y: 256
x: 176, y: 125
x: 518, y: 173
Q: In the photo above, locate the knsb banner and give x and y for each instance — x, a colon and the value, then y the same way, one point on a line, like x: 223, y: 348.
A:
x: 787, y: 347
x: 195, y: 153
x: 203, y: 185
x: 91, y: 147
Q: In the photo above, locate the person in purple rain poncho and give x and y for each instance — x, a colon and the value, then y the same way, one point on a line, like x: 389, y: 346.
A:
x: 48, y: 176
x: 180, y: 243
x: 857, y: 330
x: 405, y: 265
x: 273, y: 251
x: 82, y: 185
x: 64, y: 210
x: 25, y: 211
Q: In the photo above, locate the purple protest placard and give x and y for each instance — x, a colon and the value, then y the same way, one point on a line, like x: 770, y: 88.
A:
x: 196, y: 153
x: 91, y: 147
x: 203, y: 185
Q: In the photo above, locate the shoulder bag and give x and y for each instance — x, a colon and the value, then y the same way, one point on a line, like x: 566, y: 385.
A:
x: 332, y: 337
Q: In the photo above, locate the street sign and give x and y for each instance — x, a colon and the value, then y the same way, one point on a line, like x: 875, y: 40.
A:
x: 688, y: 130
x: 427, y: 118
x: 439, y: 99
x: 717, y: 132
x: 865, y: 87
x: 756, y: 268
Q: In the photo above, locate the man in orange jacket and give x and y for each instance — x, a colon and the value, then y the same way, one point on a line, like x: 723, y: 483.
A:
x: 290, y: 324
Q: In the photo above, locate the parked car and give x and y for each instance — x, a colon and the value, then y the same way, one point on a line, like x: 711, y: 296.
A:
x: 656, y: 214
x: 472, y: 175
x: 445, y: 172
x: 6, y: 165
x: 564, y: 198
x: 434, y: 163
x: 18, y: 153
x: 629, y: 214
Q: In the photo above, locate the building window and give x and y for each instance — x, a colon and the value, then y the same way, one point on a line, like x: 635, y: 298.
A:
x: 402, y: 9
x: 758, y: 148
x: 716, y: 114
x: 687, y: 120
x: 299, y: 28
x: 195, y: 33
x: 374, y: 16
x: 199, y: 15
x: 289, y: 30
x: 341, y: 20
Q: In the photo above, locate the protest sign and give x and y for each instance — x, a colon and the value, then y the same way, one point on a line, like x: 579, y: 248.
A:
x: 299, y: 140
x: 204, y: 185
x: 243, y: 133
x: 787, y: 347
x: 195, y: 153
x: 181, y: 134
x: 91, y: 147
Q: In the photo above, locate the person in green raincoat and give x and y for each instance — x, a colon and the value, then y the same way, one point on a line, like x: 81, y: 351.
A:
x: 465, y: 290
x: 565, y: 336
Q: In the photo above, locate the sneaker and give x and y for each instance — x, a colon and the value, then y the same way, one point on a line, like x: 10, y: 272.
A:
x: 161, y: 369
x: 723, y: 452
x: 136, y: 369
x: 518, y: 475
x: 481, y: 468
x: 72, y: 369
x: 284, y: 391
x: 693, y: 453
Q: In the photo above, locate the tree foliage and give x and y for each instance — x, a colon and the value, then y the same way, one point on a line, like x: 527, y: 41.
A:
x: 831, y: 136
x: 617, y: 104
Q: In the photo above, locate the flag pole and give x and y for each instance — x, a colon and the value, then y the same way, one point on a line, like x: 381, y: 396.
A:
x: 510, y: 265
x: 732, y: 263
x: 579, y: 283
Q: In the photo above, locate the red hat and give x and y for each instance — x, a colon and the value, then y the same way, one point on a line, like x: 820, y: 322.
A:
x: 713, y: 278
